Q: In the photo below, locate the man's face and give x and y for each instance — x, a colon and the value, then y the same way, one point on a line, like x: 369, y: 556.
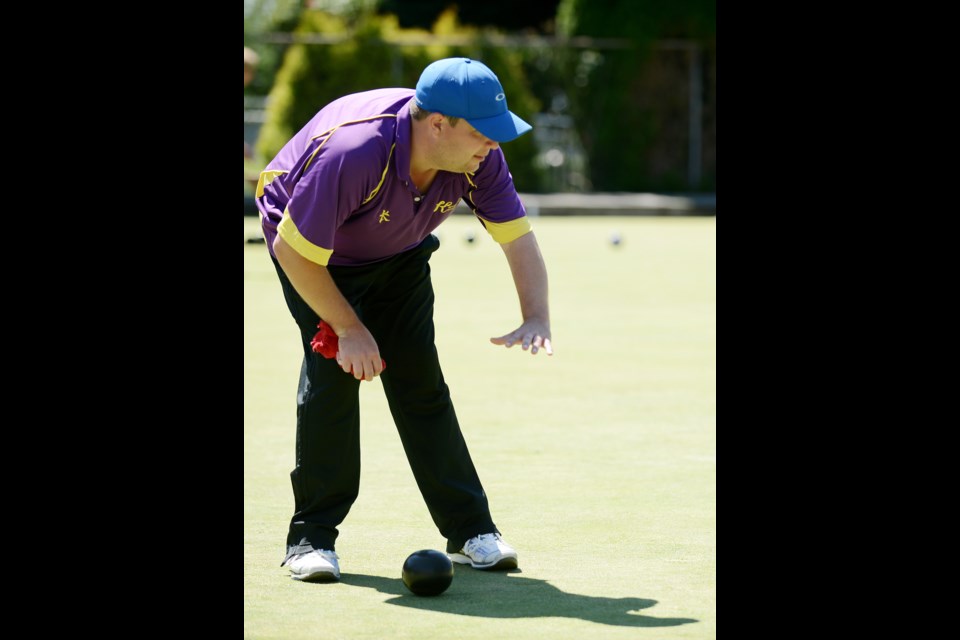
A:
x: 462, y: 148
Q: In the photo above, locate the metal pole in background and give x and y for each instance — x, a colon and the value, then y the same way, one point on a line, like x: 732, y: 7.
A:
x: 695, y: 107
x: 694, y: 157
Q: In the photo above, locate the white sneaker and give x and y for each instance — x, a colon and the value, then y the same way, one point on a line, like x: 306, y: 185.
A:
x: 317, y: 565
x: 486, y: 551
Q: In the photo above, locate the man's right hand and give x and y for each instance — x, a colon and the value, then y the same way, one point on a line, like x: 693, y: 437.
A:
x: 359, y: 353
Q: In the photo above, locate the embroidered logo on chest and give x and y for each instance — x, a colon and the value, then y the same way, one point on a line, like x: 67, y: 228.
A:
x: 443, y: 207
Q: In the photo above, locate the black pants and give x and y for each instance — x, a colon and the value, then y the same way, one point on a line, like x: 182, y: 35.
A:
x: 394, y: 299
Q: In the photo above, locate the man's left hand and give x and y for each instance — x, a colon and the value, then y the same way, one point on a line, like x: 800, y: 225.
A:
x: 532, y: 334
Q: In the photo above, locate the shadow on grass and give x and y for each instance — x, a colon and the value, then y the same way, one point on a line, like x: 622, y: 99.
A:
x: 507, y: 595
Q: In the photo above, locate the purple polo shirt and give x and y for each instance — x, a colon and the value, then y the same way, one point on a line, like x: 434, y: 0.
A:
x: 340, y: 193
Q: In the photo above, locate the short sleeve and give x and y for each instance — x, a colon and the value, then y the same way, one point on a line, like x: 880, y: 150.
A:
x: 494, y: 199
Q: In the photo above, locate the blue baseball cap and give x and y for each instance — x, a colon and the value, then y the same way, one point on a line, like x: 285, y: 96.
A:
x: 468, y: 89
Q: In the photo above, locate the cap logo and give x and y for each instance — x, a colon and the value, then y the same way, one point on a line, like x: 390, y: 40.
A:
x: 500, y: 96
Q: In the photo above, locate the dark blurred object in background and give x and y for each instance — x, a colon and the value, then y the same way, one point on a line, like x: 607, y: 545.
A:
x: 509, y: 15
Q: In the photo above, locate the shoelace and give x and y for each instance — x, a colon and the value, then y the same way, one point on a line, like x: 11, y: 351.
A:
x: 483, y: 545
x: 323, y: 552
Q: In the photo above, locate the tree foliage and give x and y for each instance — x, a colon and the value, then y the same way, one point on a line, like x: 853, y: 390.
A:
x: 506, y: 15
x: 628, y: 91
x: 632, y: 103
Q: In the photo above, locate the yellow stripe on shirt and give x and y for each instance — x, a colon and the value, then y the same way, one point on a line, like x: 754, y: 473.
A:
x: 266, y: 177
x: 343, y: 124
x: 292, y: 236
x: 382, y: 178
x: 504, y: 232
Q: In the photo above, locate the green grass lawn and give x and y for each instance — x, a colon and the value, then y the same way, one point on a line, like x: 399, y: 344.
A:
x: 599, y: 462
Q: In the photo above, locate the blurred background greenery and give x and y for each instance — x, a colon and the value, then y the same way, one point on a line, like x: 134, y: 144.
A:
x: 621, y: 93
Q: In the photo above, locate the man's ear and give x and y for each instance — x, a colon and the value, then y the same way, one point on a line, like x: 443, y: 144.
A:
x: 437, y: 122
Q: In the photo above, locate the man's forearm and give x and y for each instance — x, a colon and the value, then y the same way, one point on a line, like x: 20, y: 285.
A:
x: 529, y: 276
x: 317, y: 288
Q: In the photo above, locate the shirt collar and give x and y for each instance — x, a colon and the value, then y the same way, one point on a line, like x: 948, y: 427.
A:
x: 401, y: 153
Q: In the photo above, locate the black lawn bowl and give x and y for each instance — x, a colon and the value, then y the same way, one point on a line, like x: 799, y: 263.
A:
x: 427, y: 572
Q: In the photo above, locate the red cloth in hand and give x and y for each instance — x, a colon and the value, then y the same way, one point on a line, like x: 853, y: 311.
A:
x: 326, y: 343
